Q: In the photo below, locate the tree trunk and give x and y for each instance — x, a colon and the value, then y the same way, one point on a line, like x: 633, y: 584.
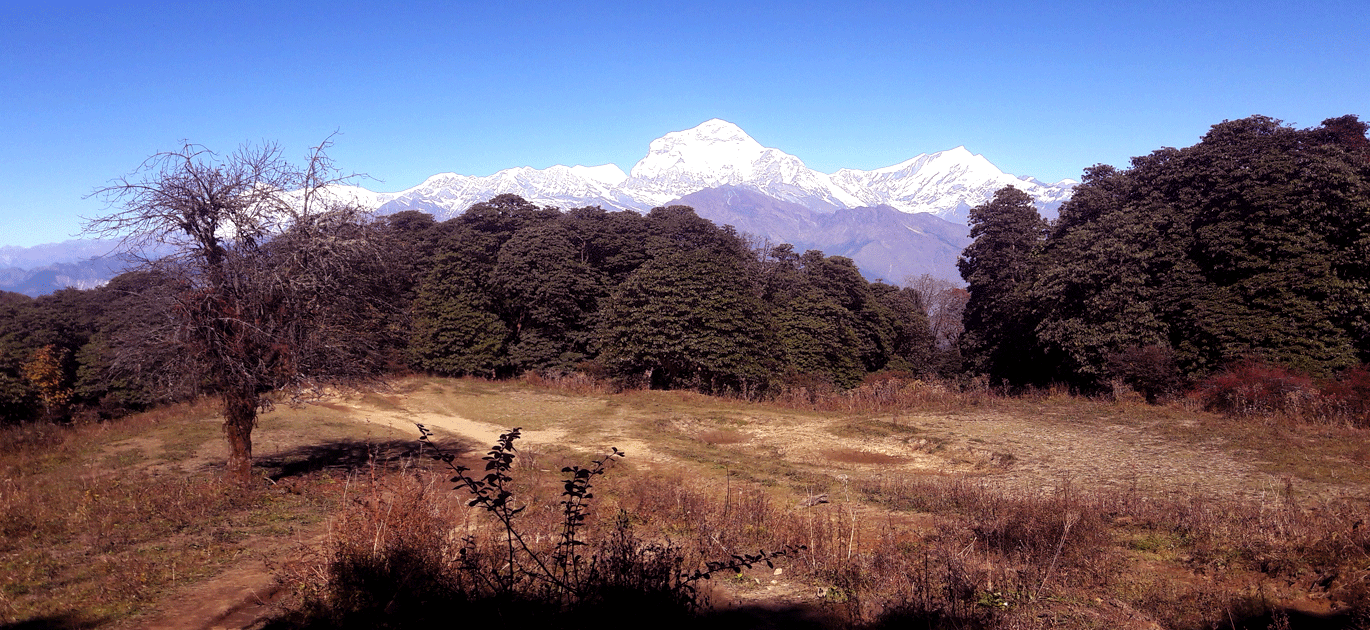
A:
x: 240, y: 414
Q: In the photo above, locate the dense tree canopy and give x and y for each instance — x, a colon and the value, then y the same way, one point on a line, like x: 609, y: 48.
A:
x: 1000, y: 267
x: 689, y: 317
x: 1253, y: 243
x: 667, y: 296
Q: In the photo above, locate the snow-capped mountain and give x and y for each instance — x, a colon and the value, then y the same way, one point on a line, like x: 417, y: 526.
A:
x: 719, y: 153
x: 449, y: 194
x: 947, y: 184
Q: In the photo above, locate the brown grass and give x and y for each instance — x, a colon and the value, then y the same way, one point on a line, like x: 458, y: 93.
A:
x: 721, y: 436
x: 994, y: 557
x: 114, y: 536
x: 100, y: 522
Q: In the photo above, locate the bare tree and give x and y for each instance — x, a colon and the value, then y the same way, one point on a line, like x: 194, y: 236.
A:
x: 268, y: 276
x: 944, y: 302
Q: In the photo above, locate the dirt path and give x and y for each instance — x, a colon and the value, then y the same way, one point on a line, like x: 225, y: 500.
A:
x: 237, y: 598
x: 482, y: 433
x: 611, y: 428
x: 1017, y: 452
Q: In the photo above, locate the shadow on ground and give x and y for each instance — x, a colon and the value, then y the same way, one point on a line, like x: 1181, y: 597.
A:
x: 68, y: 621
x: 341, y: 456
x: 599, y: 618
x: 1297, y: 620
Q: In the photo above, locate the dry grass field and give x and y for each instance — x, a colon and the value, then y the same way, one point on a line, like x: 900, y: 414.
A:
x: 942, y: 509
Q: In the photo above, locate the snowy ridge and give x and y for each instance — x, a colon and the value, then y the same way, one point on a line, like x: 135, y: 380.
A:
x: 450, y: 194
x: 946, y: 183
x: 719, y: 153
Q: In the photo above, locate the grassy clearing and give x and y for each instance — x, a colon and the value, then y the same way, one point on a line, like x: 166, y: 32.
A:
x: 99, y: 521
x: 944, y: 509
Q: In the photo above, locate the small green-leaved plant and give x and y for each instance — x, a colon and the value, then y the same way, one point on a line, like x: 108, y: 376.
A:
x: 619, y: 571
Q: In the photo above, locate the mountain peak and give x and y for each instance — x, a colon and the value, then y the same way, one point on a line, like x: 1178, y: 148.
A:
x: 715, y: 147
x: 715, y: 132
x: 609, y: 174
x: 719, y: 129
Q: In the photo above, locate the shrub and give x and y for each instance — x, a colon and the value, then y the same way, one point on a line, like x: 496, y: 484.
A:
x: 1348, y: 397
x: 1253, y: 388
x: 1150, y: 370
x: 398, y: 562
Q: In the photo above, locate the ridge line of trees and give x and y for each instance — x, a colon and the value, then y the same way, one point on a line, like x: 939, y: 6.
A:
x: 1252, y: 244
x: 664, y: 299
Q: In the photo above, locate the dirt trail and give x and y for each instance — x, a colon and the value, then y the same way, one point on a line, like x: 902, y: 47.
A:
x: 482, y: 433
x: 612, y: 430
x: 237, y: 598
x: 1027, y: 452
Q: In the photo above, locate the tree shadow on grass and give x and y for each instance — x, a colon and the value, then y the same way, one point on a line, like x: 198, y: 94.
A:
x: 341, y: 456
x: 1297, y: 620
x: 631, y: 612
x: 58, y: 622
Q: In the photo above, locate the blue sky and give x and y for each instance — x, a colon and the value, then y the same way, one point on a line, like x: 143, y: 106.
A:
x: 1042, y: 89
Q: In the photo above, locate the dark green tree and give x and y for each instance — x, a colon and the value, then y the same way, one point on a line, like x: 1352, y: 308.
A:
x: 58, y: 325
x: 613, y: 244
x: 1095, y: 296
x: 1251, y: 243
x: 819, y: 338
x: 1268, y: 207
x: 1000, y: 267
x: 677, y: 228
x: 690, y: 318
x: 837, y: 278
x: 456, y: 330
x: 511, y: 287
x: 136, y: 306
x: 913, y: 346
x: 547, y: 293
x: 17, y: 398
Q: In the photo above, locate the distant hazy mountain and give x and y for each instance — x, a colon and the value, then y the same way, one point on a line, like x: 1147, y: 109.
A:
x: 885, y: 243
x: 74, y: 264
x: 84, y: 274
x: 65, y: 252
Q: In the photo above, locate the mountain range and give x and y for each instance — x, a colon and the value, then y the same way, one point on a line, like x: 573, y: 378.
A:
x: 718, y: 153
x: 42, y: 269
x: 895, y: 222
